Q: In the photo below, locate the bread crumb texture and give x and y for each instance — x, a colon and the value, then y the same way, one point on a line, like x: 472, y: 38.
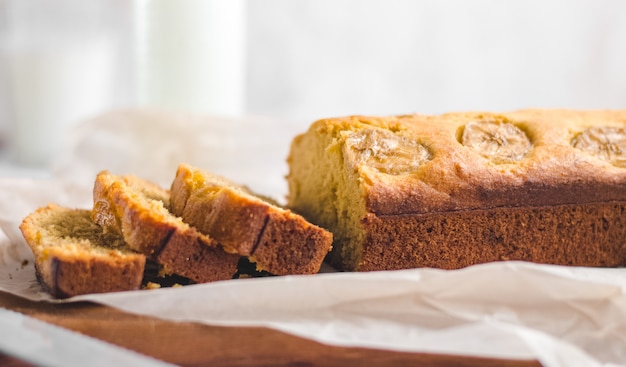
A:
x: 72, y: 232
x: 73, y: 255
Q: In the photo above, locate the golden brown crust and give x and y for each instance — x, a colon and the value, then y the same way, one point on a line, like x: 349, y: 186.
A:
x: 457, y: 178
x: 232, y: 219
x: 64, y: 278
x: 290, y: 245
x: 279, y: 241
x: 67, y: 269
x: 121, y: 205
x: 581, y: 235
x: 400, y: 200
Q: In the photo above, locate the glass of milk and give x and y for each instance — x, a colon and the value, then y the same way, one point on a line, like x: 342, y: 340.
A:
x: 58, y: 60
x: 190, y: 55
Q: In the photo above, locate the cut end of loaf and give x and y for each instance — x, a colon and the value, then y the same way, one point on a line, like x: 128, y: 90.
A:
x: 325, y: 190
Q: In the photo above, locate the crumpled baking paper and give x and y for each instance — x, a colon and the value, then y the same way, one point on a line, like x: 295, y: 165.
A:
x: 561, y: 316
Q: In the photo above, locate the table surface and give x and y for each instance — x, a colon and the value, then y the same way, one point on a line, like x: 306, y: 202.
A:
x: 193, y: 344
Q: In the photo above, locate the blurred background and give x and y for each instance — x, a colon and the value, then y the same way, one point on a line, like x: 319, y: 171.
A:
x: 65, y: 61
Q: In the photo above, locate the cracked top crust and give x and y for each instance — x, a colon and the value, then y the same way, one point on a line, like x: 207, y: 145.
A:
x: 459, y: 161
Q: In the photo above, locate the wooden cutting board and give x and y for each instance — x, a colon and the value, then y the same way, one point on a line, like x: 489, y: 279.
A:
x: 193, y: 344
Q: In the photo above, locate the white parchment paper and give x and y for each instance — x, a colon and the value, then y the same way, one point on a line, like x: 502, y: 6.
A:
x: 562, y: 316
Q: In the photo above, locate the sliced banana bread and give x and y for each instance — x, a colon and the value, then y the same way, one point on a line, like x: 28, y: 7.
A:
x: 136, y: 209
x: 74, y: 256
x: 277, y: 240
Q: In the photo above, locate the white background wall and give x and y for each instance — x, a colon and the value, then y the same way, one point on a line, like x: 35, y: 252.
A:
x: 310, y: 59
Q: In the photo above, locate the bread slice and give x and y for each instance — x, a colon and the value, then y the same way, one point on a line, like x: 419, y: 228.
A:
x: 277, y: 240
x: 74, y: 256
x: 136, y: 209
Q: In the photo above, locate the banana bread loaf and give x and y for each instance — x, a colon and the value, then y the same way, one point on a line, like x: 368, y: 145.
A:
x: 73, y: 255
x: 277, y: 240
x: 449, y: 191
x: 136, y: 209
